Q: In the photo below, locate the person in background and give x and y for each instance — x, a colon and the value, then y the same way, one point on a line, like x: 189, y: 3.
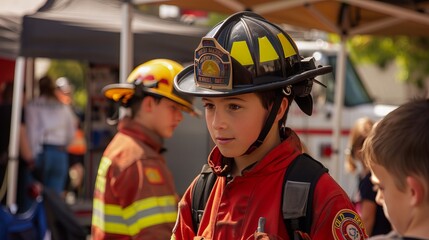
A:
x: 397, y: 154
x: 51, y: 127
x: 372, y: 213
x: 135, y: 196
x: 77, y: 148
x: 248, y: 71
x: 26, y: 160
x: 64, y: 91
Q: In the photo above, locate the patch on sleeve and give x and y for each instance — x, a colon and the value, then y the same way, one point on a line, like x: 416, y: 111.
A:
x: 348, y: 225
x: 154, y: 175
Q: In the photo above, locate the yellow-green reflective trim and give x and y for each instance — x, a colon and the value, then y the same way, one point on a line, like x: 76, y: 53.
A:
x: 131, y: 220
x: 130, y: 211
x: 288, y: 50
x: 266, y: 50
x: 100, y: 183
x: 105, y: 163
x: 240, y: 51
x: 142, y: 223
x: 148, y: 203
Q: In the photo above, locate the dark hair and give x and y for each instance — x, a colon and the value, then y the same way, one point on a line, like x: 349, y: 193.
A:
x: 135, y: 103
x: 7, y: 94
x: 47, y: 87
x: 268, y: 97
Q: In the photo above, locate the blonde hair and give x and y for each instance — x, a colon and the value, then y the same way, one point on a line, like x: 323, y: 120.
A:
x: 400, y: 142
x: 359, y: 132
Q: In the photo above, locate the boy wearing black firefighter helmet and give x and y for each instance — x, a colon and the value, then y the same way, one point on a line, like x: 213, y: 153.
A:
x: 248, y: 71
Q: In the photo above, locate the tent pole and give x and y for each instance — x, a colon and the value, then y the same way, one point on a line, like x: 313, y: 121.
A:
x: 12, y: 167
x: 126, y: 54
x: 127, y: 46
x: 338, y: 107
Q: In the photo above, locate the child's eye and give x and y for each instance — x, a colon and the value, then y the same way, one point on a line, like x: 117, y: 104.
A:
x: 208, y: 106
x: 234, y: 107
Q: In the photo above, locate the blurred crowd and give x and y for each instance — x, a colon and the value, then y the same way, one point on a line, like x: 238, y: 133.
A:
x: 51, y: 142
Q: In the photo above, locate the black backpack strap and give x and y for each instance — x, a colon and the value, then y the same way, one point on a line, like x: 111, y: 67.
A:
x: 299, y: 184
x: 200, y: 194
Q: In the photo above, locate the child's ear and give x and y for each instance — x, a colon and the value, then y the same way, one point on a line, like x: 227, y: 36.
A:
x: 283, y: 107
x: 147, y: 104
x: 417, y: 190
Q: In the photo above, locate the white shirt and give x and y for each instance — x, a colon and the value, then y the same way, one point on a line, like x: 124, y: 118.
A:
x: 49, y: 122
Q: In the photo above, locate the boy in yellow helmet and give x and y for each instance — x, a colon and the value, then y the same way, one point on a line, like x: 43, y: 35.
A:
x: 135, y: 196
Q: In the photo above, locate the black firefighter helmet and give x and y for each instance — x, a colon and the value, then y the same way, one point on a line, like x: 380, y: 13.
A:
x: 245, y: 53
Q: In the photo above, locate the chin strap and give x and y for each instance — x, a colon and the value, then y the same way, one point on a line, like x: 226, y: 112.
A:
x: 268, y: 124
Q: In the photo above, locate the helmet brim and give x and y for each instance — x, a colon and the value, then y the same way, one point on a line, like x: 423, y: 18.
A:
x: 119, y: 92
x: 184, y: 83
x: 123, y: 92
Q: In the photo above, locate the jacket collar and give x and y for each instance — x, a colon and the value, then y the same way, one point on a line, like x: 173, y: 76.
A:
x: 279, y: 157
x: 134, y: 129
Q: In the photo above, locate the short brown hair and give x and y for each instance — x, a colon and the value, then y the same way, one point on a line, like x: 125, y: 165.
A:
x: 268, y: 97
x: 135, y: 103
x: 400, y: 142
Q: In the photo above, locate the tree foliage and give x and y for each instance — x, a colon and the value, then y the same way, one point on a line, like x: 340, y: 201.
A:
x: 410, y: 54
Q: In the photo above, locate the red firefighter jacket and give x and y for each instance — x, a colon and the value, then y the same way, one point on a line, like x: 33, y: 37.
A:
x: 235, y: 206
x: 134, y: 196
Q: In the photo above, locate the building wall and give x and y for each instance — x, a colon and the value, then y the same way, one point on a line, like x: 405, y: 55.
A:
x: 385, y: 87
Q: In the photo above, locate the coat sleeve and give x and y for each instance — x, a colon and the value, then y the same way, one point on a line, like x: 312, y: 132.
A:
x: 183, y: 229
x: 334, y: 214
x: 34, y: 128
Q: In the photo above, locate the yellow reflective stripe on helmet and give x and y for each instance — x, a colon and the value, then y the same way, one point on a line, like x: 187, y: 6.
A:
x: 100, y: 183
x: 240, y: 52
x: 132, y: 219
x: 266, y: 50
x: 288, y: 50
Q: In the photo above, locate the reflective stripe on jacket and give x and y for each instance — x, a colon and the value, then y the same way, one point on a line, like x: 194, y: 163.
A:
x: 134, y: 195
